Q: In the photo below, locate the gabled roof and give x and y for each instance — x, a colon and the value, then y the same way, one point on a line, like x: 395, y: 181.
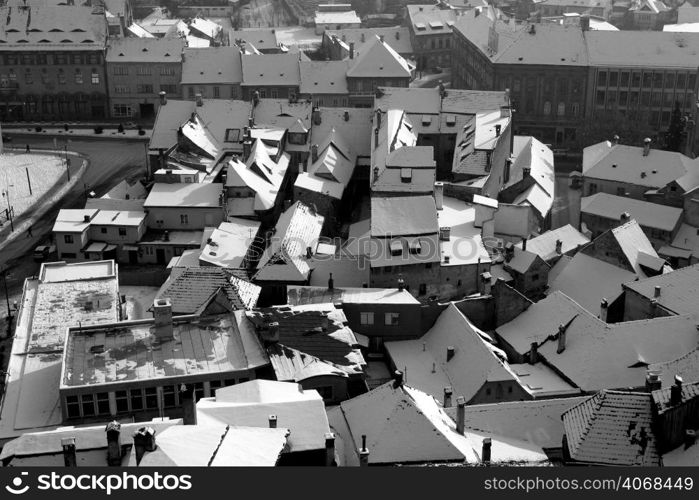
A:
x: 476, y: 360
x: 195, y: 195
x: 627, y: 164
x: 398, y: 37
x: 379, y: 60
x: 323, y: 77
x: 522, y: 261
x: 271, y: 70
x: 544, y: 245
x: 229, y: 244
x: 405, y: 425
x: 285, y: 259
x: 262, y: 39
x: 211, y: 65
x: 191, y: 289
x: 530, y: 153
x: 686, y: 366
x: 650, y: 215
x: 144, y: 50
x: 679, y: 290
x: 612, y: 428
x: 251, y: 403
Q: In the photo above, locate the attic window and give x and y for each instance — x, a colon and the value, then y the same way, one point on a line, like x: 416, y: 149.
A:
x: 396, y: 248
x: 77, y: 30
x: 420, y: 26
x: 451, y: 120
x: 167, y: 54
x: 436, y: 25
x: 88, y: 41
x: 415, y: 247
x: 66, y: 41
x: 406, y: 174
x: 55, y: 30
x: 144, y: 49
x: 426, y: 120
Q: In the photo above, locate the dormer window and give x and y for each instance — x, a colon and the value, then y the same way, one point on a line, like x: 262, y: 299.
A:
x: 396, y: 248
x: 415, y: 247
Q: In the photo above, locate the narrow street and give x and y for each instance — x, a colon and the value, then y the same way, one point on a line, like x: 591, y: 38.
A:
x: 110, y: 162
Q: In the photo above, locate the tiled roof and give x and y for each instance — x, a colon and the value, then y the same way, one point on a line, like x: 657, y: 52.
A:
x: 662, y: 399
x: 313, y: 340
x: 612, y: 428
x: 686, y: 366
x: 398, y: 37
x: 651, y: 215
x: 323, y: 77
x: 145, y: 50
x: 271, y: 69
x: 679, y: 290
x: 521, y: 261
x: 192, y: 288
x: 379, y: 60
x: 212, y: 65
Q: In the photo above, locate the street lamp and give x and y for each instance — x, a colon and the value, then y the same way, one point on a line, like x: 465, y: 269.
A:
x: 6, y: 194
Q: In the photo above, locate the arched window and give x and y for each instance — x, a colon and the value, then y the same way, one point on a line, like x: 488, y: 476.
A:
x: 561, y: 109
x: 547, y: 108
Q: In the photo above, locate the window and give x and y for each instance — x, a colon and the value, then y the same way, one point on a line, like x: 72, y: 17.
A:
x: 613, y: 78
x: 190, y: 92
x: 169, y: 400
x: 78, y: 76
x: 103, y: 230
x: 547, y: 108
x: 95, y: 59
x: 87, y: 403
x: 121, y: 110
x: 68, y: 238
x: 657, y: 80
x: 217, y: 92
x: 136, y: 399
x: 592, y: 188
x: 121, y: 89
x: 28, y: 77
x: 143, y: 71
x: 366, y: 318
x: 184, y: 219
x: 73, y: 406
x: 44, y: 76
x: 681, y: 81
x: 61, y: 76
x: 602, y: 79
x: 168, y: 89
x: 670, y: 81
x: 636, y: 79
x: 95, y: 77
x: 122, y: 231
x: 151, y: 398
x: 691, y: 83
x: 575, y: 109
x: 391, y: 319
x: 620, y: 191
x: 198, y: 391
x: 103, y: 403
x: 167, y: 71
x: 600, y: 97
x: 561, y: 109
x: 263, y: 93
x: 144, y: 88
x: 121, y: 71
x: 423, y: 289
x: 274, y: 93
x: 624, y: 81
x: 122, y: 401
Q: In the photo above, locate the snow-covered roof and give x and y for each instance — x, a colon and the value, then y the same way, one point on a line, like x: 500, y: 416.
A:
x: 650, y: 215
x: 544, y: 245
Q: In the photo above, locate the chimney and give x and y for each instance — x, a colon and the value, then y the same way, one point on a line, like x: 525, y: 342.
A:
x: 690, y: 437
x: 504, y: 111
x: 189, y: 405
x: 397, y: 35
x: 314, y: 153
x: 345, y: 115
x: 526, y: 172
x: 317, y: 119
x: 625, y: 217
x: 351, y: 50
x: 460, y: 414
x: 113, y: 431
x: 615, y: 140
x: 163, y: 97
x: 309, y: 252
x: 561, y: 339
x: 331, y: 282
x: 646, y: 146
x: 676, y: 391
x: 69, y: 456
x: 270, y: 333
x: 652, y: 381
x: 533, y: 353
x: 656, y: 291
x: 166, y: 235
x: 498, y: 127
x: 559, y: 247
x: 524, y: 244
x: 198, y: 99
x: 364, y: 453
x: 584, y: 23
x: 255, y: 98
x: 378, y: 118
x: 401, y: 283
x: 447, y: 397
x: 272, y: 421
x: 450, y: 352
x: 439, y: 195
x: 444, y: 233
x: 603, y: 309
x: 143, y: 441
x: 376, y: 138
x: 442, y: 90
x: 486, y: 279
x: 397, y: 379
x: 86, y: 218
x: 330, y: 450
x: 486, y: 452
x: 162, y: 312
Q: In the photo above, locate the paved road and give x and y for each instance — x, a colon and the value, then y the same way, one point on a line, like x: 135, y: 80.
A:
x: 110, y: 162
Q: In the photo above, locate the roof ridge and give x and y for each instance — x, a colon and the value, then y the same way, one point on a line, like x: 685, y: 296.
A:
x: 597, y: 401
x: 218, y: 447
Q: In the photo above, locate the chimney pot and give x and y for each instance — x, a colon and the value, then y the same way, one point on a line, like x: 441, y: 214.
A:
x: 625, y: 217
x: 364, y: 453
x: 561, y: 339
x: 330, y: 450
x: 656, y: 291
x: 272, y: 421
x: 331, y: 282
x: 652, y: 381
x: 615, y: 140
x: 401, y: 283
x: 646, y: 146
x: 450, y: 352
x: 163, y: 97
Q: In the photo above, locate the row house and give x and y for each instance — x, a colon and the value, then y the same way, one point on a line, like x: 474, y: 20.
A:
x: 52, y: 63
x: 212, y: 72
x: 338, y: 44
x: 138, y: 70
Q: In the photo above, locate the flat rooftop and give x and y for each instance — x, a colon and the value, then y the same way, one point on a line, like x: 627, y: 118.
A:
x: 131, y: 352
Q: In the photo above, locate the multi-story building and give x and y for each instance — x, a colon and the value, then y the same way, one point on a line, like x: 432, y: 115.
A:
x: 271, y: 75
x: 551, y: 8
x: 430, y: 33
x: 212, y: 72
x: 643, y: 75
x: 52, y: 63
x: 543, y: 65
x: 649, y: 15
x: 138, y: 69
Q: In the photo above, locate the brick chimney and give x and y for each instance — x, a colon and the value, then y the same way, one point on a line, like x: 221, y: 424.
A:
x: 162, y: 312
x: 351, y: 50
x: 272, y: 421
x: 70, y: 458
x: 460, y: 414
x: 486, y: 279
x: 314, y: 153
x: 189, y: 405
x: 397, y: 379
x: 533, y: 353
x: 113, y: 431
x: 439, y: 195
x: 524, y: 244
x: 656, y: 292
x: 450, y: 352
x: 331, y: 282
x: 447, y: 397
x: 199, y: 100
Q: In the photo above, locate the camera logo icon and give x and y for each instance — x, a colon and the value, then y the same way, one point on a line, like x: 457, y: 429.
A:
x: 16, y: 487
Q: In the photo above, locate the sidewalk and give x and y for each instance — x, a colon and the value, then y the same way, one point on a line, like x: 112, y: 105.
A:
x: 36, y: 210
x: 82, y: 131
